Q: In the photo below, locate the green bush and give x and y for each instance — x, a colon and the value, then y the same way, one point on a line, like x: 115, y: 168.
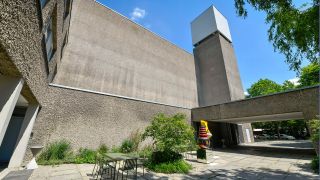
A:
x: 145, y: 151
x: 56, y: 153
x: 165, y: 156
x: 179, y: 166
x: 315, y: 164
x: 115, y: 149
x: 102, y: 149
x: 136, y: 138
x: 127, y: 146
x: 170, y: 133
x: 85, y: 156
x: 315, y: 129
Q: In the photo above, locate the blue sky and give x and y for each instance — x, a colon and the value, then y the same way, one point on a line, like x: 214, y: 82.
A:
x: 171, y: 20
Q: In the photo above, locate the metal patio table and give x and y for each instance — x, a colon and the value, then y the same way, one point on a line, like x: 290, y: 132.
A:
x: 123, y: 157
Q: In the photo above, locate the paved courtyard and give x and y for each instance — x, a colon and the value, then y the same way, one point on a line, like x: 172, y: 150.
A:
x: 223, y: 164
x: 291, y: 144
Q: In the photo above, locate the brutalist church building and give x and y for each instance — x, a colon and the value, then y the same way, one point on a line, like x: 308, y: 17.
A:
x: 79, y: 71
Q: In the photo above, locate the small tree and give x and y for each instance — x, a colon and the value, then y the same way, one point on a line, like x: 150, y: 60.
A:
x: 170, y: 133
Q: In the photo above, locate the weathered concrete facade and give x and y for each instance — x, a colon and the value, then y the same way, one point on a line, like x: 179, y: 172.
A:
x: 109, y: 53
x: 64, y: 113
x: 87, y: 110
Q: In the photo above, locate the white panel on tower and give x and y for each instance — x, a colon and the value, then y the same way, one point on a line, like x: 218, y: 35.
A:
x: 207, y: 23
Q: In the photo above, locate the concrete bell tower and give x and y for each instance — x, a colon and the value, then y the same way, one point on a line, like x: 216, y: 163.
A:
x: 217, y: 71
x: 218, y: 78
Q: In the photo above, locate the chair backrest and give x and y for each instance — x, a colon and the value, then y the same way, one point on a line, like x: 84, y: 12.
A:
x: 130, y: 164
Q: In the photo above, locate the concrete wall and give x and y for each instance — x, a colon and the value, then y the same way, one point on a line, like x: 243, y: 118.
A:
x: 86, y: 119
x: 111, y: 54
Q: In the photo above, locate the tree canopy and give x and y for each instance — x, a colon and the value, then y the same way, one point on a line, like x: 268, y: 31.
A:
x: 294, y: 31
x: 264, y: 87
x: 309, y: 75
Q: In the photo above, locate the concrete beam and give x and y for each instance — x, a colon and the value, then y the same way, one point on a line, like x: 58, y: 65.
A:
x: 24, y: 136
x: 10, y: 89
x: 296, y: 104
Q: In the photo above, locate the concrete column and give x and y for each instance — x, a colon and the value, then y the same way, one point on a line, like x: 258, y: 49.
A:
x: 24, y: 136
x: 245, y: 133
x: 10, y: 89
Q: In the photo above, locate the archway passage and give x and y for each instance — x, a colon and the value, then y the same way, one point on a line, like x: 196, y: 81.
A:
x: 296, y: 104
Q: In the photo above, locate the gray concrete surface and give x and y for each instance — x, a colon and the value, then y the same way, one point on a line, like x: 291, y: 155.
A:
x: 295, y: 104
x: 222, y: 164
x: 109, y: 53
x: 291, y: 144
x: 218, y: 78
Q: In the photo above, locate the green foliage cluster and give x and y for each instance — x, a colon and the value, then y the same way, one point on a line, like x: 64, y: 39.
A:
x: 315, y: 130
x: 56, y: 153
x: 179, y: 166
x: 171, y: 136
x: 170, y: 133
x: 60, y: 152
x: 85, y: 156
x: 165, y: 156
x: 132, y: 143
x: 309, y: 75
x: 294, y: 31
x: 315, y: 164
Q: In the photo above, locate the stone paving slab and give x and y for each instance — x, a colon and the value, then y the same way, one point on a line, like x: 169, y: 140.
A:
x: 18, y: 175
x: 224, y: 164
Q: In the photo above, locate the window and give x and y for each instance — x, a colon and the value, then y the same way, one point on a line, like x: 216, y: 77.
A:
x: 43, y: 3
x: 48, y: 35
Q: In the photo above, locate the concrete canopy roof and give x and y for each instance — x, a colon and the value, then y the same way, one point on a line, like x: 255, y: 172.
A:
x: 295, y: 104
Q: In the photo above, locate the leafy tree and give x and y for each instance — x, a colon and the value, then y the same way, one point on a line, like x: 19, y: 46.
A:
x: 170, y: 134
x: 293, y: 31
x: 264, y: 87
x: 287, y: 85
x: 309, y: 75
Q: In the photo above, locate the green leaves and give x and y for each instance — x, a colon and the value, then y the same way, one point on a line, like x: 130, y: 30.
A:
x: 170, y: 133
x: 310, y: 75
x: 293, y: 31
x: 264, y: 87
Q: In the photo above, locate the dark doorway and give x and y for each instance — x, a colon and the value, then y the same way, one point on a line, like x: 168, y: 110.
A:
x: 10, y: 138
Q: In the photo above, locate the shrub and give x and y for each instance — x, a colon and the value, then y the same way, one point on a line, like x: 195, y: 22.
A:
x: 315, y: 129
x: 115, y: 149
x: 315, y: 164
x: 170, y: 133
x: 85, y: 156
x: 127, y: 146
x: 165, y: 156
x: 135, y: 137
x: 179, y: 166
x: 146, y: 151
x: 56, y: 153
x: 102, y: 149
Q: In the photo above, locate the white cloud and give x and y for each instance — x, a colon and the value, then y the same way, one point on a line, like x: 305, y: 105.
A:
x: 138, y: 13
x: 246, y: 93
x: 295, y: 81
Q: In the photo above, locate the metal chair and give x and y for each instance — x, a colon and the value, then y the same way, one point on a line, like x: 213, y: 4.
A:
x: 104, y: 168
x: 129, y: 165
